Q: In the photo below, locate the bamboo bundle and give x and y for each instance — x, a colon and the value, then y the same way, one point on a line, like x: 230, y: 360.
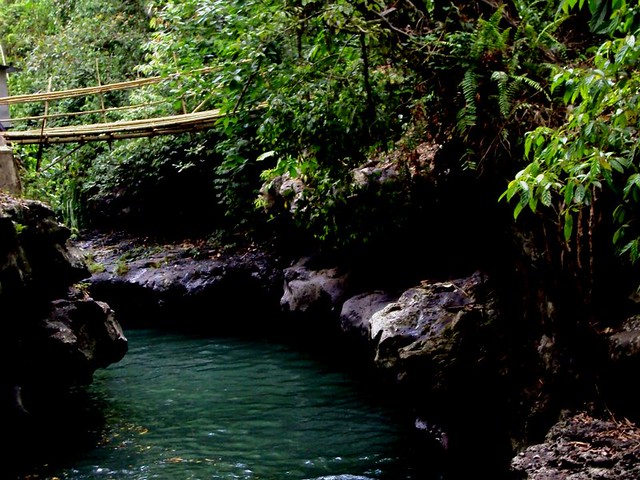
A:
x: 117, y: 130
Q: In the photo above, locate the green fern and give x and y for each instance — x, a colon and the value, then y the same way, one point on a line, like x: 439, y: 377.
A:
x: 467, y: 116
x: 505, y: 92
x: 531, y: 84
x: 486, y: 41
x: 489, y: 38
x: 508, y: 88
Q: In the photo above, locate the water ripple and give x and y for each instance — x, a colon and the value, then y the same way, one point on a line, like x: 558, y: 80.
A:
x: 180, y: 407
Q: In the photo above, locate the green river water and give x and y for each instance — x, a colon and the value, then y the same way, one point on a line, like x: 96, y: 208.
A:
x: 181, y: 407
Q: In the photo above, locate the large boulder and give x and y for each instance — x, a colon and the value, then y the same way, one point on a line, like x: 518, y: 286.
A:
x: 432, y: 323
x: 78, y: 336
x: 356, y: 313
x: 184, y: 285
x: 315, y: 291
x: 441, y: 343
x: 53, y: 336
x: 624, y: 345
x: 283, y: 192
x: 35, y: 252
x: 619, y: 373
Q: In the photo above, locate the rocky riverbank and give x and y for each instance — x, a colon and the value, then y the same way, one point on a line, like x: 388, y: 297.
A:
x: 446, y: 346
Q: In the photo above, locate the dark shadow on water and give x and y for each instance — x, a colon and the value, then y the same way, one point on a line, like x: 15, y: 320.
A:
x: 59, y: 428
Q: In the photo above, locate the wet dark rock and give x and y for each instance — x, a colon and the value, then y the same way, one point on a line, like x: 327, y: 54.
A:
x: 356, y: 313
x: 583, y: 448
x: 314, y: 291
x: 431, y: 321
x: 54, y: 335
x: 441, y: 343
x: 624, y: 345
x: 184, y: 285
x: 80, y: 337
x: 622, y: 367
x: 35, y: 252
x: 283, y: 192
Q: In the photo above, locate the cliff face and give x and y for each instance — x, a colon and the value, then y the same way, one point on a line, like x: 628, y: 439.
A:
x: 54, y: 335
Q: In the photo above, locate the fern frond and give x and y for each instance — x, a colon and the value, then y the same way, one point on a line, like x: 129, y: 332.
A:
x: 495, y: 19
x: 531, y: 84
x: 466, y: 117
x: 528, y: 81
x: 505, y: 37
x: 505, y: 93
x: 469, y: 86
x: 489, y: 37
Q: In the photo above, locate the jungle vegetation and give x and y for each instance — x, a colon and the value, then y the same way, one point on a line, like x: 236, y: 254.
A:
x: 537, y: 102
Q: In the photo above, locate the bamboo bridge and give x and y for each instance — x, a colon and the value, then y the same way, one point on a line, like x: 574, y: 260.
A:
x: 183, y: 122
x: 106, y: 131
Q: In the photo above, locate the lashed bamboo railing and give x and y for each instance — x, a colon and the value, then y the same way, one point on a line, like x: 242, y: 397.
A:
x: 80, y: 92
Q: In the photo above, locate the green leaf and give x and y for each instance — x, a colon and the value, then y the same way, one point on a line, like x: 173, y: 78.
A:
x: 633, y: 249
x: 527, y: 144
x: 617, y: 165
x: 510, y: 191
x: 568, y: 192
x: 579, y: 193
x: 516, y: 211
x: 619, y: 214
x: 568, y: 226
x: 632, y: 181
x: 545, y: 197
x: 265, y: 155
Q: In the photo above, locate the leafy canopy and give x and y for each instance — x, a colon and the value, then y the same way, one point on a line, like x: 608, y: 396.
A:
x: 594, y: 151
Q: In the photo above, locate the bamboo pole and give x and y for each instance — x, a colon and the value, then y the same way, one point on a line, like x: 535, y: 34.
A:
x: 108, y: 131
x: 121, y: 129
x: 182, y: 100
x: 44, y: 125
x: 101, y: 95
x: 165, y: 125
x: 79, y: 92
x: 86, y: 112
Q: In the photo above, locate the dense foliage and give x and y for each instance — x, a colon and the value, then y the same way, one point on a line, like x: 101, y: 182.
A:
x: 536, y: 101
x: 59, y: 46
x: 592, y: 152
